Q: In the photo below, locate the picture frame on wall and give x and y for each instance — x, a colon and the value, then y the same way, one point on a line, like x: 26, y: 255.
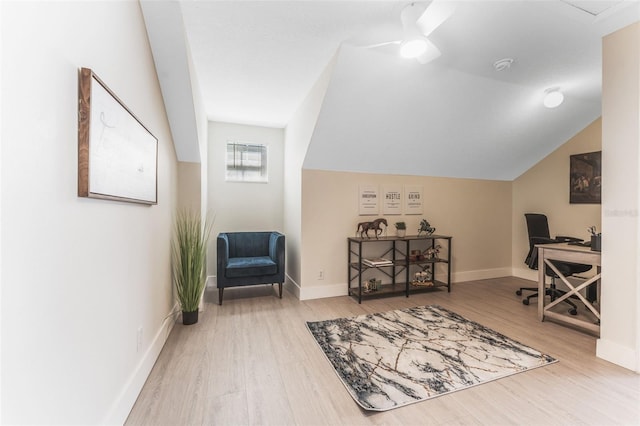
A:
x: 117, y: 154
x: 392, y: 199
x: 585, y: 178
x: 368, y: 200
x: 413, y: 201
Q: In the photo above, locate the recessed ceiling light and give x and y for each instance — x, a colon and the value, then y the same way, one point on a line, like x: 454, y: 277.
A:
x: 553, y: 97
x: 503, y: 64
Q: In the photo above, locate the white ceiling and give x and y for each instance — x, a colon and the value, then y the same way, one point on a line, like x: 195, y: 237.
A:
x: 257, y: 60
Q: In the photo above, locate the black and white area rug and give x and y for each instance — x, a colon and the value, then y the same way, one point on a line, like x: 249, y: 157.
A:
x: 395, y: 358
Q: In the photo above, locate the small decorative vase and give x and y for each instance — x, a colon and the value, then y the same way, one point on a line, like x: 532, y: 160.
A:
x: 189, y: 318
x: 401, y: 232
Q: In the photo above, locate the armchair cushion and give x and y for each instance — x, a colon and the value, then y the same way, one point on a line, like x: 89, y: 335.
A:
x: 250, y: 267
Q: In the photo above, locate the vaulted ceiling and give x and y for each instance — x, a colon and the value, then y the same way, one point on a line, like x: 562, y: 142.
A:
x: 256, y: 61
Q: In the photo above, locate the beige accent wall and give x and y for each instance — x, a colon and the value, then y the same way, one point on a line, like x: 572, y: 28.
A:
x: 620, y: 329
x: 189, y: 186
x: 477, y: 213
x: 545, y: 189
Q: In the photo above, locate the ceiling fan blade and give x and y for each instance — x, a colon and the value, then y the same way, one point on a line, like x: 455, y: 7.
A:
x: 432, y: 53
x: 386, y: 43
x: 435, y: 14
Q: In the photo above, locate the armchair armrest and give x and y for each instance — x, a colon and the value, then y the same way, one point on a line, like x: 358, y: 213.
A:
x: 276, y: 248
x: 222, y: 245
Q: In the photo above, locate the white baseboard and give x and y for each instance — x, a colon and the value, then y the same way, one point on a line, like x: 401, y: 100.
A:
x: 525, y: 273
x: 340, y: 289
x: 212, y: 281
x: 620, y: 355
x: 123, y: 404
x: 322, y: 291
x: 292, y: 286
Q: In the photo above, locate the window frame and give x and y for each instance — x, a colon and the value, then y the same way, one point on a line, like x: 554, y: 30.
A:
x: 239, y: 175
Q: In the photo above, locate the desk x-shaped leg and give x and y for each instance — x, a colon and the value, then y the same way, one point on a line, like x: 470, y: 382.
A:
x: 573, y: 290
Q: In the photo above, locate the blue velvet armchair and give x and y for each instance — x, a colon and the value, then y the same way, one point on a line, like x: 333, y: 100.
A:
x: 250, y: 258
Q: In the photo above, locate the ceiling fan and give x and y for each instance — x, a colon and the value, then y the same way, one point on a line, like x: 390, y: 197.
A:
x: 417, y: 24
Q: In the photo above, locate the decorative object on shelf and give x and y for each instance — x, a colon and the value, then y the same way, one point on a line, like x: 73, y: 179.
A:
x: 401, y: 229
x: 363, y: 228
x: 432, y: 252
x: 423, y: 278
x: 189, y: 258
x: 372, y: 285
x: 378, y: 261
x: 426, y: 228
x: 416, y: 255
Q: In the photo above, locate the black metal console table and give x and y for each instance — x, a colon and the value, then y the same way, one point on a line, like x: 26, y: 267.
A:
x: 400, y: 266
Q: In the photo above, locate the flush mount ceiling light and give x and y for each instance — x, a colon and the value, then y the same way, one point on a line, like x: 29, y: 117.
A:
x: 553, y: 97
x: 413, y: 48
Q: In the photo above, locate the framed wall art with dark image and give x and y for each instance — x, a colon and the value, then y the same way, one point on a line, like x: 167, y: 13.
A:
x: 585, y: 178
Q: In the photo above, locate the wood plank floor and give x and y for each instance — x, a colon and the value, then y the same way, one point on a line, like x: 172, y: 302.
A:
x: 252, y: 361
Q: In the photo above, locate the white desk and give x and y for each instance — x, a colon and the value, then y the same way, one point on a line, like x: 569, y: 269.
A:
x: 567, y: 253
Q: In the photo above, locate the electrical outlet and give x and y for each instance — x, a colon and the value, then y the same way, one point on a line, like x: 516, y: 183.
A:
x: 139, y: 336
x: 321, y: 274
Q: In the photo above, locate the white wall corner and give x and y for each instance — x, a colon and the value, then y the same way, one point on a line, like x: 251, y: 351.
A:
x: 124, y: 402
x: 621, y: 355
x: 292, y: 286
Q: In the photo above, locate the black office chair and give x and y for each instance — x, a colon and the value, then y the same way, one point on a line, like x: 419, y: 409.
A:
x: 538, y: 229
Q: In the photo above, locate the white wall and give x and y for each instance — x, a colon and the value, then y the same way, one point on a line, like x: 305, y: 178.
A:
x: 240, y: 206
x: 297, y: 137
x: 79, y: 276
x: 620, y: 335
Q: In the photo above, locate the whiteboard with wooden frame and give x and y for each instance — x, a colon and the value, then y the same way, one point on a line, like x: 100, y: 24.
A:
x: 117, y: 154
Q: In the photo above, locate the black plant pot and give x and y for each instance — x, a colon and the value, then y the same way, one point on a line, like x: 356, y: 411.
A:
x: 189, y: 318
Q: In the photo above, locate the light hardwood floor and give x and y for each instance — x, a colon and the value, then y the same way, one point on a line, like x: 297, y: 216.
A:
x: 252, y: 361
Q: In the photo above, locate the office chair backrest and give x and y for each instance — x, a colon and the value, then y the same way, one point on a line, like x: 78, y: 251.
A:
x: 537, y: 225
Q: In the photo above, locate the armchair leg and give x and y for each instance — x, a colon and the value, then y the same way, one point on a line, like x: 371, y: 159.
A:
x: 280, y: 289
x: 220, y: 291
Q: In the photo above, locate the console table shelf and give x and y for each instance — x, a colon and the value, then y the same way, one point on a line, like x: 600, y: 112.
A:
x: 397, y: 250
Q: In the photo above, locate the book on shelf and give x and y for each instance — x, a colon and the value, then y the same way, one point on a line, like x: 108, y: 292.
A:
x: 377, y: 261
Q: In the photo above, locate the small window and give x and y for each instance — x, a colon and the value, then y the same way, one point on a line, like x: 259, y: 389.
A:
x: 246, y: 162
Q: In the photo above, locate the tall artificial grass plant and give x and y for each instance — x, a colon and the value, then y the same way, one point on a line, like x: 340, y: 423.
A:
x: 189, y: 257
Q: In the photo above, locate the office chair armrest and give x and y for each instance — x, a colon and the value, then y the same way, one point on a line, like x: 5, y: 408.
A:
x: 565, y: 239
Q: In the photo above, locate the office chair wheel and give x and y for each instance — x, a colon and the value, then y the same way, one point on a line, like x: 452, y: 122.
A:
x: 519, y: 292
x: 573, y: 311
x: 525, y: 301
